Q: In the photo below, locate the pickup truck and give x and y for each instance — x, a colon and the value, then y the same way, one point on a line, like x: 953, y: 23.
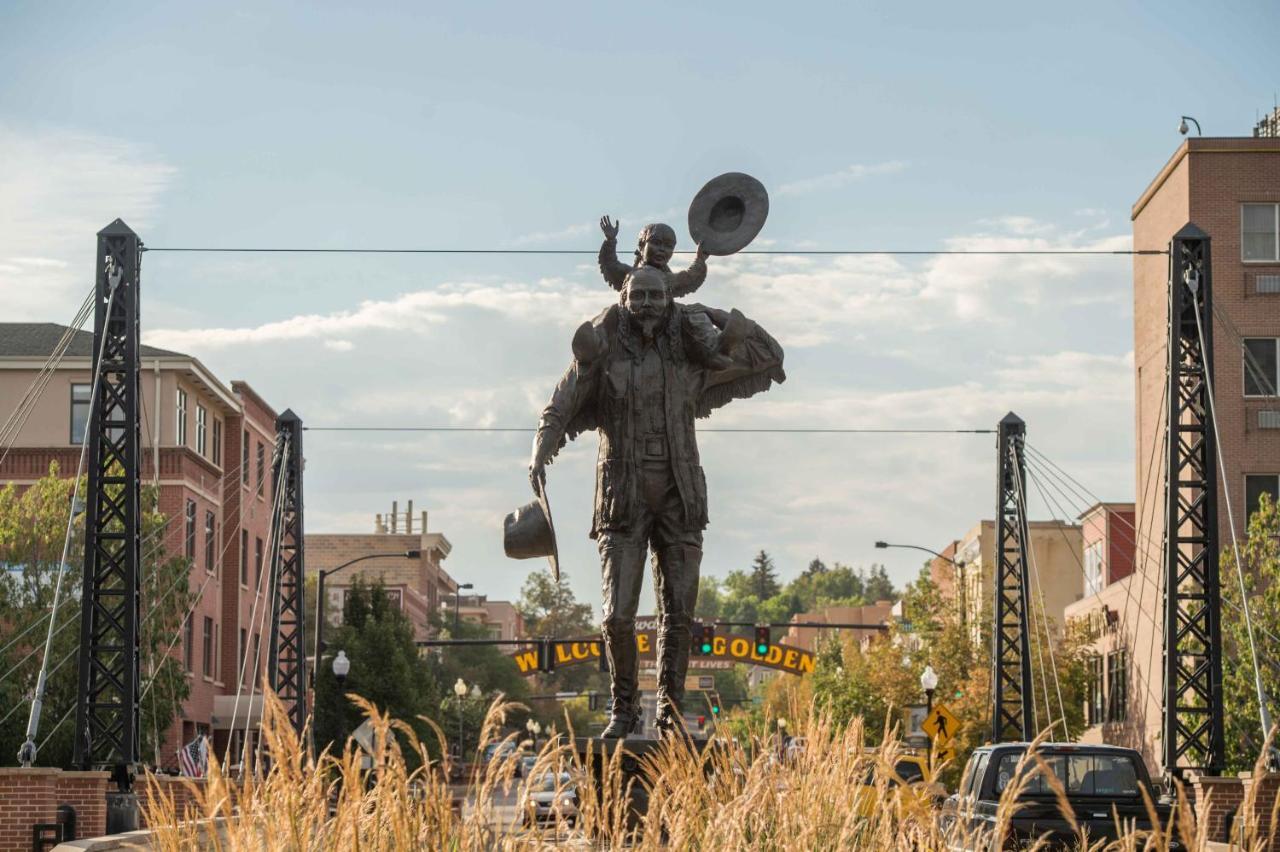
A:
x: 1104, y: 786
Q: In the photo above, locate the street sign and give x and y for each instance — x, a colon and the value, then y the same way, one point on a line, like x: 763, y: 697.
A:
x: 945, y: 753
x: 699, y: 683
x: 940, y: 724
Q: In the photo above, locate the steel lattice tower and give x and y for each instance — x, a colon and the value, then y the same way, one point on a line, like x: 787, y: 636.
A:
x: 288, y: 660
x: 1011, y: 717
x: 107, y: 717
x: 1192, y: 711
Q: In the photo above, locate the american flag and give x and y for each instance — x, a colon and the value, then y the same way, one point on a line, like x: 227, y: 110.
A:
x: 193, y: 758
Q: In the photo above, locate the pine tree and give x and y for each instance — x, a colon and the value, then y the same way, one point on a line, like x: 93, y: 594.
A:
x: 764, y: 579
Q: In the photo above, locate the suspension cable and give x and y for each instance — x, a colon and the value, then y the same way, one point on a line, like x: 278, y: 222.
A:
x: 1264, y: 713
x: 27, y: 754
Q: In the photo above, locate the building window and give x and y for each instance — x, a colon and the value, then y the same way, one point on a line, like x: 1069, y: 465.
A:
x: 208, y: 647
x: 257, y: 658
x: 1255, y: 485
x: 1259, y: 356
x: 79, y: 412
x: 202, y: 425
x: 188, y: 644
x: 1093, y: 697
x: 182, y: 417
x: 190, y: 549
x: 1117, y: 686
x: 1093, y: 581
x: 244, y: 458
x: 217, y: 442
x: 210, y: 551
x: 244, y: 557
x: 257, y: 561
x: 1260, y: 232
x: 240, y: 646
x: 262, y: 466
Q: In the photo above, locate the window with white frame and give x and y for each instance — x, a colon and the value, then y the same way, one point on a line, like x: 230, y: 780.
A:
x: 1260, y: 232
x: 79, y: 412
x: 1093, y: 567
x: 210, y: 546
x: 182, y: 417
x: 1260, y: 359
x: 1255, y: 485
x: 202, y: 424
x: 190, y: 549
x: 217, y: 442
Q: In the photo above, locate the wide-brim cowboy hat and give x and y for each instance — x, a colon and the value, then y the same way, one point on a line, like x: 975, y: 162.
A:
x: 528, y: 533
x: 728, y: 212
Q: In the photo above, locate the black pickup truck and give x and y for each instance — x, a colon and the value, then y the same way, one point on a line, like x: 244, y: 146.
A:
x: 1104, y: 786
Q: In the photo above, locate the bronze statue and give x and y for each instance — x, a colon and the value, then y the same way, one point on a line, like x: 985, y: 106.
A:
x: 642, y: 371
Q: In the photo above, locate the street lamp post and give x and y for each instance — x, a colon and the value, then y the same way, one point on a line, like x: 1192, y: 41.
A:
x: 341, y: 667
x: 929, y: 682
x: 319, y: 646
x: 457, y: 596
x: 959, y: 566
x: 460, y: 692
x: 533, y: 728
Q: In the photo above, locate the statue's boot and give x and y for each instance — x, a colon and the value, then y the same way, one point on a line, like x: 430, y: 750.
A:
x: 678, y: 569
x: 624, y: 696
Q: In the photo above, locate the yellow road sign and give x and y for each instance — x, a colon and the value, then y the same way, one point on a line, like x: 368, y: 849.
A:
x: 945, y: 753
x: 940, y: 724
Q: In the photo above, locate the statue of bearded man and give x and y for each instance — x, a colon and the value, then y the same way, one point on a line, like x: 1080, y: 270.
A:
x: 642, y: 371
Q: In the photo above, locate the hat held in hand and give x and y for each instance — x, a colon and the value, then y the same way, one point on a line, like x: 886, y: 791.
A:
x: 528, y: 533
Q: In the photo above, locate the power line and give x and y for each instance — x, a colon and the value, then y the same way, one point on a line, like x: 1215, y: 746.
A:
x: 773, y: 431
x: 593, y: 252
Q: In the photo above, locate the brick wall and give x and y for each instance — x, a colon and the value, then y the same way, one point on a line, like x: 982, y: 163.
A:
x: 1214, y: 800
x: 1262, y: 793
x: 31, y: 796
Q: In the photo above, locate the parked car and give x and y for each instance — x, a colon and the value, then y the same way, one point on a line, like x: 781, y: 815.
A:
x: 1105, y: 787
x: 552, y: 797
x: 525, y: 766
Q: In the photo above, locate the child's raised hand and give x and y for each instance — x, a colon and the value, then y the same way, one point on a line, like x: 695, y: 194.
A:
x: 609, y: 227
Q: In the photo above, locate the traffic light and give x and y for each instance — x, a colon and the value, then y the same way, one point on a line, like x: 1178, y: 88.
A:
x: 604, y: 658
x: 593, y: 701
x: 707, y: 642
x: 715, y: 706
x: 762, y: 640
x: 702, y: 723
x: 546, y: 656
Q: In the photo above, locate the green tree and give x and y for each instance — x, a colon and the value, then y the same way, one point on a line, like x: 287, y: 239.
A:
x: 1260, y: 553
x: 33, y: 525
x: 386, y: 668
x: 764, y: 578
x: 550, y: 609
x: 877, y: 586
x: 816, y: 566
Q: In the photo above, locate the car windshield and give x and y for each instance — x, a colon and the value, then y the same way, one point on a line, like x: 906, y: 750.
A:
x: 551, y: 781
x: 1080, y: 774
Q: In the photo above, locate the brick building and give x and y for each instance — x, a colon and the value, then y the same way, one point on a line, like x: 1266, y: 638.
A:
x: 880, y: 612
x: 420, y: 585
x: 500, y: 618
x: 1229, y: 188
x: 207, y: 446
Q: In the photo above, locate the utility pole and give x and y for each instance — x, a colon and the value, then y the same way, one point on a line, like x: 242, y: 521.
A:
x: 288, y: 661
x: 1011, y: 685
x: 107, y: 714
x: 1193, y: 730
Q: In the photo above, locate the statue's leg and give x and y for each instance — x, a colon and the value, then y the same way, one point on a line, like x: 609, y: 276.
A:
x: 622, y: 561
x: 677, y: 558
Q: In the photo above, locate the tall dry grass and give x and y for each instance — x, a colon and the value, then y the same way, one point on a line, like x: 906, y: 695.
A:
x: 736, y: 796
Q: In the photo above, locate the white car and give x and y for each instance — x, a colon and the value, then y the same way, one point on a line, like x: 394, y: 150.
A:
x: 550, y: 798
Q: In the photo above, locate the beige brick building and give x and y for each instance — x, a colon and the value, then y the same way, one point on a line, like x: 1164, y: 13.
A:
x: 420, y: 586
x: 1056, y: 572
x: 500, y: 618
x: 879, y: 612
x: 1229, y: 188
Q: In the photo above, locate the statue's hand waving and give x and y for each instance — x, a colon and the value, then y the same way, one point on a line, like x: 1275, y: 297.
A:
x: 609, y: 227
x: 703, y: 254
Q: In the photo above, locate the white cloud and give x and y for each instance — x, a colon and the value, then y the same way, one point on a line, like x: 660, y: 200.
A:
x: 834, y: 180
x: 57, y: 190
x: 339, y: 345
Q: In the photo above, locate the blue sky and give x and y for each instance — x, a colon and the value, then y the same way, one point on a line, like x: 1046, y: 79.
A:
x: 874, y: 126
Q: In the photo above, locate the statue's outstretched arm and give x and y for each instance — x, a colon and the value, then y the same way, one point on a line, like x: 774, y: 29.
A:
x: 686, y: 281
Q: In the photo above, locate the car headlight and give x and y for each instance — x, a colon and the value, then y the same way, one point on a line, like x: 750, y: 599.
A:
x: 567, y: 802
